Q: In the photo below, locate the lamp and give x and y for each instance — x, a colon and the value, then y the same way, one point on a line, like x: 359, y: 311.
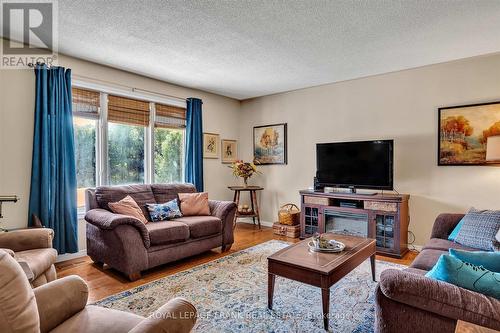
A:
x: 493, y: 149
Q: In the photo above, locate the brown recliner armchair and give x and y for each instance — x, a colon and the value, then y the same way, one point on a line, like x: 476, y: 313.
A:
x: 61, y: 306
x: 33, y: 246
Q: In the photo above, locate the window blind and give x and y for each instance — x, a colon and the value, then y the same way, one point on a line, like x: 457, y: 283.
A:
x: 85, y: 103
x: 168, y: 116
x: 128, y: 111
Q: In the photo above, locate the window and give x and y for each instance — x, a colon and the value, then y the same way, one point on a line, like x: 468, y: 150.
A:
x: 122, y: 140
x: 86, y: 115
x: 169, y: 143
x: 128, y: 119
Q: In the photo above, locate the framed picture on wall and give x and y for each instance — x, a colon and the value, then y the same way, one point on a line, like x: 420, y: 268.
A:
x: 270, y: 144
x: 229, y: 151
x: 210, y: 145
x: 464, y: 131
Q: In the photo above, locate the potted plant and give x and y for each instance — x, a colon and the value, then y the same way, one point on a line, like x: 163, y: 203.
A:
x: 244, y: 170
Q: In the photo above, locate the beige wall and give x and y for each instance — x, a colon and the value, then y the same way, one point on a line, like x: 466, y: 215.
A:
x: 400, y: 106
x: 220, y: 115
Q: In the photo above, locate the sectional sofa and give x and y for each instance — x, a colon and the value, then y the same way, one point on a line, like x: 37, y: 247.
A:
x: 407, y: 301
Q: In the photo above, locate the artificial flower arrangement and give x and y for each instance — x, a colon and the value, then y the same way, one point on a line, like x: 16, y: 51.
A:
x: 244, y: 170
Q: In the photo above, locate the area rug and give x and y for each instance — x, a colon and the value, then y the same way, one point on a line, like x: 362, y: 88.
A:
x: 230, y: 295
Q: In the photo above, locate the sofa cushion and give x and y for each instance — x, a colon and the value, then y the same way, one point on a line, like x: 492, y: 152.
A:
x: 18, y: 309
x: 39, y: 260
x: 128, y: 206
x: 166, y: 192
x: 445, y: 245
x: 194, y: 204
x: 466, y: 275
x: 201, y: 226
x: 488, y: 259
x: 479, y: 229
x: 165, y: 232
x: 427, y: 259
x: 142, y: 194
x: 164, y: 211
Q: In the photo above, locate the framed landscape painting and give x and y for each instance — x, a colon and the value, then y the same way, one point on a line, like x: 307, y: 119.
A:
x: 229, y: 151
x: 269, y: 144
x: 210, y: 145
x: 464, y: 132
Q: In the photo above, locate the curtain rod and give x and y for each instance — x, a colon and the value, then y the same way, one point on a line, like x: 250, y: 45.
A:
x: 41, y: 63
x: 128, y: 87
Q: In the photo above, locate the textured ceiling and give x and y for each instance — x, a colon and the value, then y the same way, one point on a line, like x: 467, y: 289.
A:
x: 251, y: 48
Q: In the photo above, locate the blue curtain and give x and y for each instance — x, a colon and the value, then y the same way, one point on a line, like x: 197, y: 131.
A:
x: 53, y: 175
x: 193, y: 171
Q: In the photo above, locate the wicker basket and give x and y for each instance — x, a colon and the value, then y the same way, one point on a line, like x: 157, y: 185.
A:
x: 289, y: 214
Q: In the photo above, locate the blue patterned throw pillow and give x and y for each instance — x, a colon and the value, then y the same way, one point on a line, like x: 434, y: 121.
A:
x: 479, y: 228
x: 164, y: 211
x: 463, y: 274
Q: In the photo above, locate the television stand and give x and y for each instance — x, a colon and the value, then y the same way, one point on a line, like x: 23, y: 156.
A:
x: 383, y: 217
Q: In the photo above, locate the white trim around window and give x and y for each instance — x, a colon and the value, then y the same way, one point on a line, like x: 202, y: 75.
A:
x: 130, y: 93
x: 102, y: 168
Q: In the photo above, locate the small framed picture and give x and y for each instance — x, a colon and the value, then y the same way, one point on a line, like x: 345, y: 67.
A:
x: 210, y: 145
x: 270, y: 144
x: 229, y: 151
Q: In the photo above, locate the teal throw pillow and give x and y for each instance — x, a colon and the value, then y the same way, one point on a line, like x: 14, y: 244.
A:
x: 455, y: 231
x: 487, y: 259
x: 462, y: 274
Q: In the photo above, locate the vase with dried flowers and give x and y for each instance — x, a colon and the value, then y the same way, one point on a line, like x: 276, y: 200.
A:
x: 244, y: 170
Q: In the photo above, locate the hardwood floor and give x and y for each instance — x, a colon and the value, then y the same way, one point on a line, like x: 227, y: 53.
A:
x: 104, y: 281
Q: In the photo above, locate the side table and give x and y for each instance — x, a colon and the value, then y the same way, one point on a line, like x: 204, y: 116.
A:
x: 254, y: 213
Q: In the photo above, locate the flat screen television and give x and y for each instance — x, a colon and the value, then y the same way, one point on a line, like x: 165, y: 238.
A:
x: 359, y: 164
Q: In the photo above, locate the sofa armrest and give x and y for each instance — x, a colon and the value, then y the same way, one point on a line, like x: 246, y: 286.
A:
x: 224, y: 210
x: 59, y: 300
x: 27, y: 239
x: 444, y: 225
x: 177, y: 316
x: 441, y: 298
x: 104, y: 219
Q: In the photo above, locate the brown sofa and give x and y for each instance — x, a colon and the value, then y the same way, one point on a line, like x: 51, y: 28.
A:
x: 61, y: 306
x: 408, y: 301
x: 33, y: 246
x: 130, y: 246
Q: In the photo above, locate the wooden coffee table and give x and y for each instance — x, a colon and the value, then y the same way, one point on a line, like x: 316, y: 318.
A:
x: 319, y: 269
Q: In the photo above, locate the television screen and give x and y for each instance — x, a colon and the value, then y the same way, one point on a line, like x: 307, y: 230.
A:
x: 362, y: 164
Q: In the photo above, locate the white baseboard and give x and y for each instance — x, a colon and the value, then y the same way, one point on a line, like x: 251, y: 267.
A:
x: 249, y: 221
x: 69, y: 256
x: 416, y: 247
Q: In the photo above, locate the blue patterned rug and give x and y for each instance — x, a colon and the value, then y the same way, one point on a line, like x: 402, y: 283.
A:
x: 230, y: 295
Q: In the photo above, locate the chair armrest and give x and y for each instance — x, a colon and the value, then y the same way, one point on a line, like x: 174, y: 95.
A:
x: 27, y: 239
x: 59, y: 300
x: 107, y: 220
x: 224, y: 210
x: 9, y: 252
x: 444, y: 224
x: 439, y: 297
x: 177, y: 316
